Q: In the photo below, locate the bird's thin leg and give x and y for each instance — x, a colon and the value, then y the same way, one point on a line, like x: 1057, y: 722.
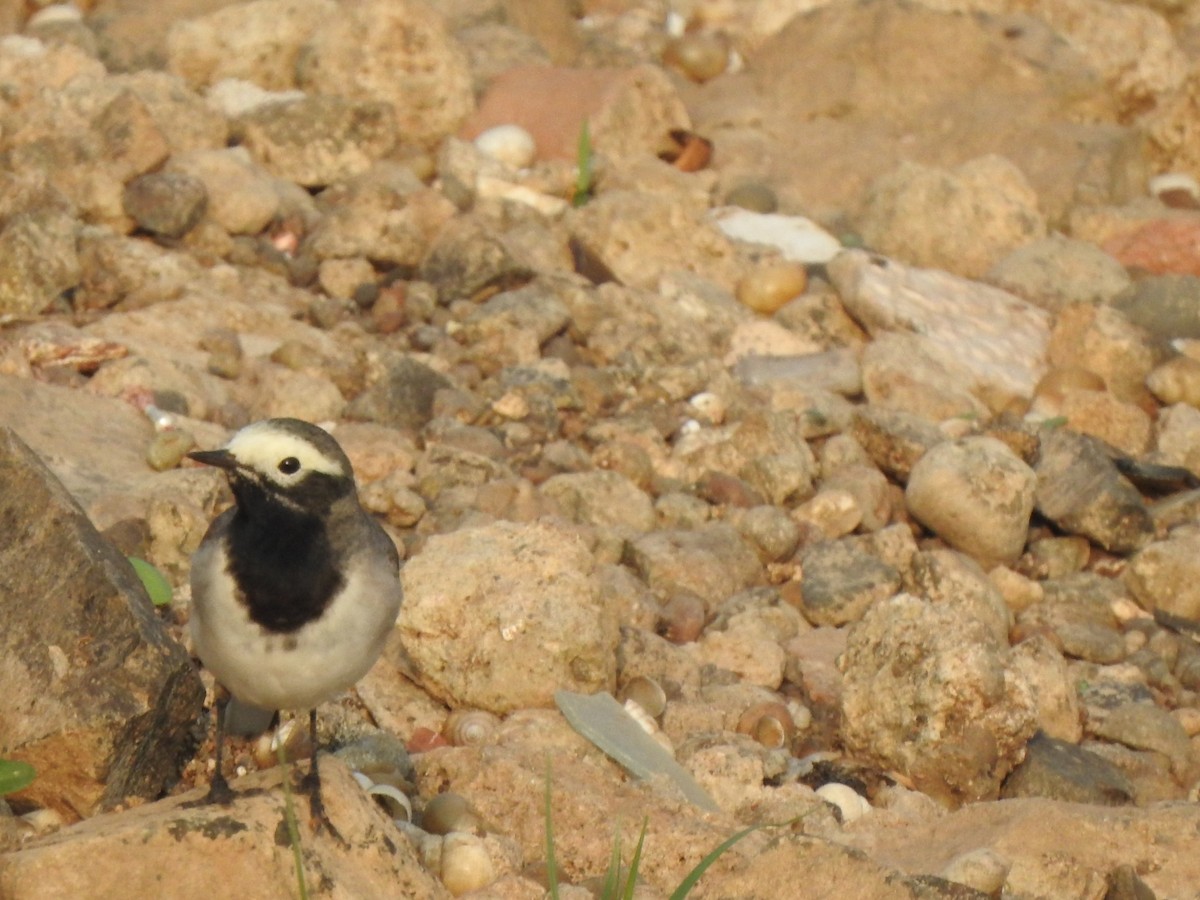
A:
x: 312, y: 782
x: 219, y: 790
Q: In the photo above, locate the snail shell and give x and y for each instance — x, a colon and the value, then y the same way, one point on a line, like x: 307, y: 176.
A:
x: 647, y: 693
x: 448, y: 812
x: 770, y: 724
x: 470, y: 727
x: 466, y: 864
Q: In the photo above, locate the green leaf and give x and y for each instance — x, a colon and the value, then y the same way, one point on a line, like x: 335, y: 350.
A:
x: 15, y: 775
x: 612, y: 878
x: 153, y: 581
x: 1054, y: 422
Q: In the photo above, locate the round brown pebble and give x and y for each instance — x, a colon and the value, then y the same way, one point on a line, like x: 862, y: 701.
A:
x: 698, y: 56
x: 770, y: 287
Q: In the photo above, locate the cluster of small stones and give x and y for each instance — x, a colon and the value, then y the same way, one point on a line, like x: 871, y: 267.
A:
x: 617, y: 447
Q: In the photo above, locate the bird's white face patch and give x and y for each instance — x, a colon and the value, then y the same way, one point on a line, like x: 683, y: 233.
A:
x: 274, y: 453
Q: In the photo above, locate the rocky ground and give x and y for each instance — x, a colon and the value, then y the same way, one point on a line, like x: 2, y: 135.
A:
x: 837, y: 412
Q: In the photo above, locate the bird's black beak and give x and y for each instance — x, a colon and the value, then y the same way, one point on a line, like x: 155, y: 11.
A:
x: 222, y: 459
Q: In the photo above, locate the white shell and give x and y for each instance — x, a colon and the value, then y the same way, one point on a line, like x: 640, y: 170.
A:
x: 1174, y: 181
x: 466, y: 863
x: 851, y: 803
x: 399, y: 802
x: 511, y: 144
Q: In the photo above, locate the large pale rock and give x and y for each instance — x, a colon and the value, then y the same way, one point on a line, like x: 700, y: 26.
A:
x: 976, y: 494
x: 502, y: 616
x: 171, y: 849
x: 96, y: 695
x: 929, y: 691
x: 962, y: 221
x: 397, y: 52
x: 601, y: 498
x: 826, y: 101
x: 996, y: 339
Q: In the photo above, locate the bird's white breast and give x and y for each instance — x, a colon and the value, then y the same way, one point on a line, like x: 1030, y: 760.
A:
x: 300, y: 669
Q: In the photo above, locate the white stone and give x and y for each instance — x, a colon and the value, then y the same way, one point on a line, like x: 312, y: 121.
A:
x: 797, y: 238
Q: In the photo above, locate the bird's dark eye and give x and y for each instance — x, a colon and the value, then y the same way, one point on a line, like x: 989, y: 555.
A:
x: 289, y: 465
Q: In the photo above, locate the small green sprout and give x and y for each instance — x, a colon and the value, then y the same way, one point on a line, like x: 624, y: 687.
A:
x: 586, y: 171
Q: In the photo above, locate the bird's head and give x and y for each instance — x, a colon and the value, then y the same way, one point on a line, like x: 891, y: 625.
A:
x: 288, y: 461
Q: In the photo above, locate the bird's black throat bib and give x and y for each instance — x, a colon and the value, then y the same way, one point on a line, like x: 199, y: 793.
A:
x: 282, y: 561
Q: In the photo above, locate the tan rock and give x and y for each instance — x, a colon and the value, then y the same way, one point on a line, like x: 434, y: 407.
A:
x: 166, y: 847
x: 962, y: 221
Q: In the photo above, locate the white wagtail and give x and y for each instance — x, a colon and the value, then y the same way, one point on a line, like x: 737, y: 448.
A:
x: 295, y: 588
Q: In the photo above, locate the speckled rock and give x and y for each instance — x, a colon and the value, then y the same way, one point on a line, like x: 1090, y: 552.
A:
x: 257, y: 42
x: 402, y: 398
x: 523, y: 607
x: 894, y: 439
x: 975, y: 494
x: 713, y: 562
x: 166, y: 203
x: 1056, y: 271
x: 1080, y: 490
x: 601, y: 498
x: 1059, y: 714
x: 318, y: 140
x: 38, y: 259
x: 396, y: 53
x: 945, y: 576
x: 928, y: 691
x: 1165, y: 575
x: 384, y: 214
x: 1144, y: 726
x: 903, y: 371
x: 962, y: 221
x: 1178, y: 439
x: 1101, y: 340
x: 1004, y: 357
x: 643, y: 235
x: 841, y: 582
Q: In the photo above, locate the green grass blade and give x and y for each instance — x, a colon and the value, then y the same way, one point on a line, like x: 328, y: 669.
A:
x: 289, y: 815
x: 551, y: 865
x: 583, y: 161
x: 15, y: 775
x: 612, y: 878
x: 685, y: 886
x: 631, y: 883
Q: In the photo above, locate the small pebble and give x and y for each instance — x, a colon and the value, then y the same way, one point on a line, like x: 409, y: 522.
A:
x: 510, y: 144
x: 698, y: 56
x: 769, y: 288
x: 168, y: 449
